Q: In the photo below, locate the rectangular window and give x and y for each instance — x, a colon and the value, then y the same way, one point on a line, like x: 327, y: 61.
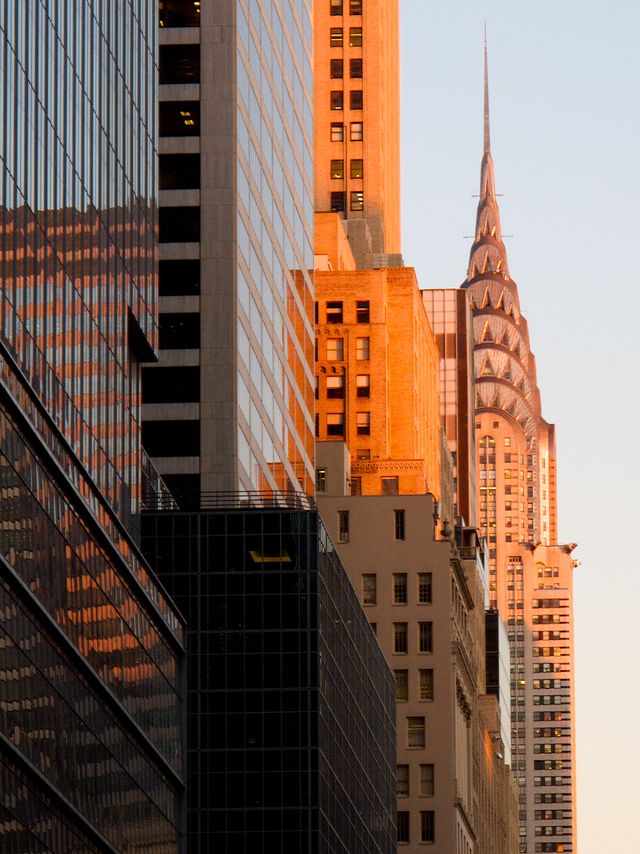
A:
x: 357, y: 200
x: 355, y: 37
x: 363, y: 385
x: 337, y: 99
x: 356, y: 486
x: 363, y: 423
x: 343, y: 526
x: 337, y: 201
x: 355, y: 7
x: 335, y: 387
x: 425, y: 637
x: 355, y: 69
x: 369, y: 589
x: 357, y: 169
x: 400, y: 638
x: 336, y: 69
x: 402, y: 684
x: 357, y: 131
x: 426, y: 684
x: 403, y: 826
x: 335, y: 37
x: 355, y: 99
x: 337, y: 170
x: 321, y: 480
x: 425, y: 588
x: 427, y: 826
x: 335, y: 424
x: 335, y: 7
x: 398, y: 520
x: 334, y: 308
x: 389, y: 486
x: 427, y: 781
x: 337, y: 132
x: 402, y: 781
x: 415, y: 732
x: 399, y: 588
x: 179, y: 118
x: 335, y: 349
x: 362, y: 306
x: 362, y: 348
x: 179, y: 63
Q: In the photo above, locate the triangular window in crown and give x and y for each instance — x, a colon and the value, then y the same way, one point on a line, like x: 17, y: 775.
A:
x: 486, y: 333
x: 505, y: 338
x: 512, y: 408
x: 486, y: 300
x: 487, y: 369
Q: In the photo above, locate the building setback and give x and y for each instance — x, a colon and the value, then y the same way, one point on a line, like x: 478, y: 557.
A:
x: 91, y: 648
x: 530, y: 575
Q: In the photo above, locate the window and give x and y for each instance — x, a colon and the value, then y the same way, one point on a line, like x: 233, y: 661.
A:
x: 334, y: 309
x: 400, y: 638
x: 335, y: 37
x: 362, y: 348
x: 335, y: 7
x: 179, y: 171
x: 363, y: 385
x: 363, y: 454
x: 357, y: 200
x: 356, y: 486
x: 355, y: 37
x: 398, y: 520
x: 403, y: 826
x: 179, y: 118
x: 362, y: 306
x: 336, y: 69
x: 400, y: 588
x: 335, y: 424
x: 180, y: 331
x: 355, y: 7
x: 427, y: 781
x: 415, y: 732
x: 337, y: 132
x: 335, y: 387
x: 179, y: 63
x: 402, y: 684
x: 337, y: 201
x: 179, y: 224
x: 369, y: 589
x: 427, y: 826
x: 355, y: 99
x: 357, y: 131
x: 426, y: 684
x: 337, y: 170
x: 355, y: 69
x: 335, y: 349
x: 389, y: 486
x: 425, y: 588
x: 337, y: 99
x: 402, y: 781
x: 321, y: 480
x: 343, y: 526
x: 425, y: 637
x: 363, y: 423
x: 357, y: 169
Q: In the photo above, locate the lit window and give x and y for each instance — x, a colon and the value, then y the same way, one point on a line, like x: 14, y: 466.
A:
x: 335, y: 37
x: 389, y: 486
x: 355, y: 99
x: 336, y: 69
x: 402, y: 684
x: 321, y: 480
x: 337, y: 169
x: 337, y: 201
x: 335, y: 387
x: 363, y: 423
x: 337, y: 100
x: 357, y: 200
x: 363, y: 385
x: 334, y: 309
x: 337, y: 132
x: 400, y: 588
x: 362, y: 348
x: 415, y: 732
x: 355, y: 68
x: 357, y: 169
x: 426, y: 684
x: 369, y: 589
x: 357, y: 131
x: 425, y: 637
x: 335, y: 424
x: 335, y: 349
x: 402, y: 778
x: 355, y: 37
x: 343, y: 526
x: 427, y: 781
x: 424, y: 588
x: 400, y: 638
x: 427, y: 826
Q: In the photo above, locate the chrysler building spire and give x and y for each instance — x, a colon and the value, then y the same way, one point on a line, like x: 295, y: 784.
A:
x: 487, y: 135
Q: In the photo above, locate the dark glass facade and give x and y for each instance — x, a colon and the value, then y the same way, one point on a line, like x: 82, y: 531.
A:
x: 91, y: 648
x: 291, y: 737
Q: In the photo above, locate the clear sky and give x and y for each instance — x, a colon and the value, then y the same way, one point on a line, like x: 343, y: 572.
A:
x: 565, y: 136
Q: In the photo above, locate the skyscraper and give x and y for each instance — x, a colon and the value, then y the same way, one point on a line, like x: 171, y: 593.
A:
x: 91, y: 648
x: 530, y: 574
x: 229, y: 405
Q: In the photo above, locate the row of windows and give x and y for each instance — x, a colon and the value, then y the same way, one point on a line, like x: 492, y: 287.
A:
x: 425, y: 685
x: 339, y: 201
x: 336, y: 69
x: 427, y: 826
x: 335, y: 349
x: 356, y: 100
x: 427, y: 781
x: 344, y: 526
x: 424, y: 588
x: 335, y: 386
x: 336, y: 426
x: 356, y: 132
x: 336, y: 7
x: 401, y: 637
x: 335, y: 308
x: 356, y: 169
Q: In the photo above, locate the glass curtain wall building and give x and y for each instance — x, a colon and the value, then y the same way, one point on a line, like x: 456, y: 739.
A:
x: 229, y: 405
x: 90, y: 646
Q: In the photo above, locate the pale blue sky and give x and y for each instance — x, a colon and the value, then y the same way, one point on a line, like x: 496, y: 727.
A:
x: 565, y: 128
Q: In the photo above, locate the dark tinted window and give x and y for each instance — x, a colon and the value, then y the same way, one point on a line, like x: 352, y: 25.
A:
x: 179, y: 278
x: 180, y: 331
x: 179, y: 118
x: 179, y: 63
x: 179, y: 13
x: 171, y: 438
x: 179, y: 225
x: 170, y: 385
x: 179, y: 171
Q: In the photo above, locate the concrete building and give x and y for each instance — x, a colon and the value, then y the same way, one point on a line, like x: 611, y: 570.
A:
x: 357, y: 124
x: 91, y: 647
x: 229, y: 404
x: 529, y: 573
